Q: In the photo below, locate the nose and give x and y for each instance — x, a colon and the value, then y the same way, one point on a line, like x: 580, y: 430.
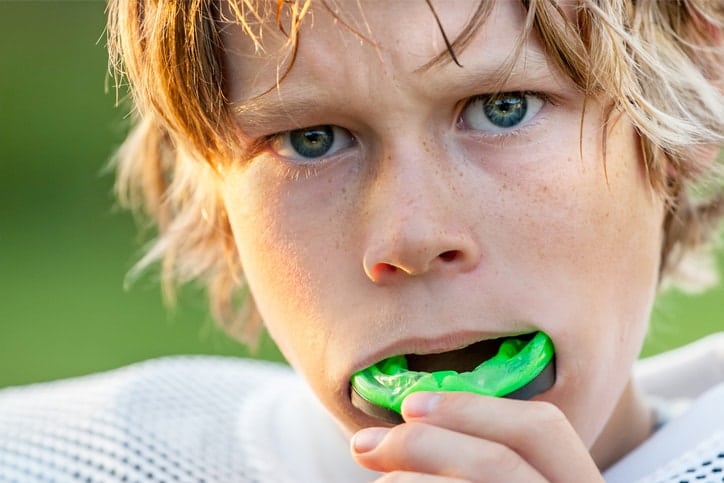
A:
x: 419, y: 222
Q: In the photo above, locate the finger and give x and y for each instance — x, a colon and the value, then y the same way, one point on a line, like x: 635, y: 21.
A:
x: 538, y: 431
x: 410, y: 477
x: 433, y: 450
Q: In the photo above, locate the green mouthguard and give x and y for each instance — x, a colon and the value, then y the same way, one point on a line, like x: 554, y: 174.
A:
x: 518, y: 362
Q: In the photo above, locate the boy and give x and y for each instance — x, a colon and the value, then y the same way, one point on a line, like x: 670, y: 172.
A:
x: 422, y: 179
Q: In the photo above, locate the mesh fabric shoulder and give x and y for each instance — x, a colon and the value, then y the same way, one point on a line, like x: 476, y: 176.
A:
x: 689, y: 449
x: 167, y: 420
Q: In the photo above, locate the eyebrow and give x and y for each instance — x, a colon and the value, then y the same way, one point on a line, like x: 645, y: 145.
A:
x: 285, y: 105
x: 491, y: 76
x: 274, y: 108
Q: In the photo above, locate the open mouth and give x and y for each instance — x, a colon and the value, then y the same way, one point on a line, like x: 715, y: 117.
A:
x: 465, y: 359
x: 518, y: 367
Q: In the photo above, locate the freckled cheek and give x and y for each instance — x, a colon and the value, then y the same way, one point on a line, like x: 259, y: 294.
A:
x: 604, y: 241
x: 562, y: 207
x: 288, y: 249
x: 269, y: 262
x: 591, y: 243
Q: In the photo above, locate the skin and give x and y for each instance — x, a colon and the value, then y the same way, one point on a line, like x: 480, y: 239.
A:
x: 423, y: 234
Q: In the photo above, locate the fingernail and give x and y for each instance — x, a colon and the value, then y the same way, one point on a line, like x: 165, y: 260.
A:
x: 419, y: 404
x: 367, y: 439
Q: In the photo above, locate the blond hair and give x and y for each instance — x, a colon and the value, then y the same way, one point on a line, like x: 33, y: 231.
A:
x: 659, y: 61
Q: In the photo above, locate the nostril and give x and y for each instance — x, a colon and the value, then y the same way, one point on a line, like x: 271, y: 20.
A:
x: 381, y: 268
x: 449, y: 256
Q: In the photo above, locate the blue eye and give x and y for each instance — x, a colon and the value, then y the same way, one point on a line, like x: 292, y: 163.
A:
x: 311, y: 143
x: 501, y: 112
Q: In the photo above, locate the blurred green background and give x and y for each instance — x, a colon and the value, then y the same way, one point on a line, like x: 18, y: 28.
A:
x: 65, y: 247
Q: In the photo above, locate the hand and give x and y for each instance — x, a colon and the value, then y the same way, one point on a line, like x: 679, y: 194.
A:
x: 465, y: 437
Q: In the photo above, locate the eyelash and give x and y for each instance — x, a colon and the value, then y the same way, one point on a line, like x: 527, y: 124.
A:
x: 287, y: 170
x: 296, y: 170
x: 513, y: 132
x: 266, y: 143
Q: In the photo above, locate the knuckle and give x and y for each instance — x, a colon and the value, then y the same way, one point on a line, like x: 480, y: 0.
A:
x: 503, y: 459
x: 549, y: 414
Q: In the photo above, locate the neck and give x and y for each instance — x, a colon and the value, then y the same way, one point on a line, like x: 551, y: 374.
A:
x: 630, y: 425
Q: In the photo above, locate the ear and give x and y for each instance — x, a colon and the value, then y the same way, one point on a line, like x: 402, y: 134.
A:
x: 713, y: 35
x: 710, y: 153
x: 711, y: 31
x: 705, y: 157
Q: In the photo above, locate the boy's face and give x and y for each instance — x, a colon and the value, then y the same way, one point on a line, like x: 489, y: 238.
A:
x: 413, y: 216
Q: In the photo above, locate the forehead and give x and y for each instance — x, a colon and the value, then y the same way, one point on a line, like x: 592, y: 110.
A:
x: 398, y: 38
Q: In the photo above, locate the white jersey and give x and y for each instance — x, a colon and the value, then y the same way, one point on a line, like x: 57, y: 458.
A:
x: 690, y: 447
x: 215, y: 419
x: 177, y: 419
